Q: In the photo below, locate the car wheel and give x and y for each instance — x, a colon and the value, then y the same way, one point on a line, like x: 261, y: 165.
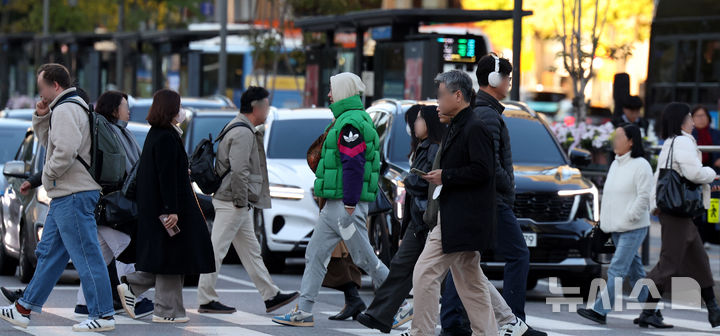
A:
x: 575, y: 280
x: 380, y: 237
x: 7, y: 263
x: 27, y: 269
x: 531, y: 283
x: 273, y: 262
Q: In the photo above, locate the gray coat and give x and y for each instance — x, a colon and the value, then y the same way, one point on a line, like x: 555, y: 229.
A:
x: 242, y: 151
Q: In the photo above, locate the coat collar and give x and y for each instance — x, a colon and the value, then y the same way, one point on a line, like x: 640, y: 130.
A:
x: 61, y: 95
x: 622, y: 159
x: 484, y: 99
x: 458, y: 121
x: 243, y: 118
x: 347, y: 104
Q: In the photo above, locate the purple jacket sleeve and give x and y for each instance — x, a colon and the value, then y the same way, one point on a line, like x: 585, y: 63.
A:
x: 351, y: 146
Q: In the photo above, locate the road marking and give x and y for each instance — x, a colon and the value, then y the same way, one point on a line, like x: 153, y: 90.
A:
x: 54, y: 331
x: 225, y: 331
x: 367, y: 331
x: 69, y: 313
x: 678, y: 323
x: 239, y: 317
x: 679, y: 333
x: 540, y: 323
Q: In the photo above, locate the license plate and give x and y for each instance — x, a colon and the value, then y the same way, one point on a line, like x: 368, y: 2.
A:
x: 530, y: 239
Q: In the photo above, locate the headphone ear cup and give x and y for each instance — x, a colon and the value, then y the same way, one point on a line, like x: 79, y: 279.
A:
x: 494, y: 79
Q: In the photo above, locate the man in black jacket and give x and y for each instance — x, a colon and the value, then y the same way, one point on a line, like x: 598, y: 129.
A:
x: 493, y: 75
x: 462, y: 181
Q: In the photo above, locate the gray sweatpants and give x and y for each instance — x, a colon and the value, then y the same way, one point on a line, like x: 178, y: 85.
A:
x: 335, y: 224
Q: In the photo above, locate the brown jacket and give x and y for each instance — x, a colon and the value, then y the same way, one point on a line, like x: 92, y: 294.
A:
x: 243, y: 152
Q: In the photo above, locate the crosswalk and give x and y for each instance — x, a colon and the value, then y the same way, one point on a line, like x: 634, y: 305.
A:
x: 250, y: 324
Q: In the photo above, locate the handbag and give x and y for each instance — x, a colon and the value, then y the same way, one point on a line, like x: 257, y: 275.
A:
x: 600, y: 243
x: 314, y: 153
x: 676, y: 195
x: 116, y: 211
x: 381, y: 204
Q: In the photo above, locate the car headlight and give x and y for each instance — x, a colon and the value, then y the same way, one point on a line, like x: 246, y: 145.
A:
x: 282, y: 191
x: 42, y: 196
x: 595, y: 201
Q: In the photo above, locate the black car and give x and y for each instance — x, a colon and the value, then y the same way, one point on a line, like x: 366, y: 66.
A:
x: 555, y: 205
x: 23, y: 216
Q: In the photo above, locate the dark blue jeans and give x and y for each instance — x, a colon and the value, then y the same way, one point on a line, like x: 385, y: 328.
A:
x: 510, y: 244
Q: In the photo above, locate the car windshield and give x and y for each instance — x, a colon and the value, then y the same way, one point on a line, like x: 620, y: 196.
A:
x: 204, y: 126
x: 12, y: 137
x: 531, y: 142
x: 399, y: 142
x: 290, y: 139
x: 139, y: 112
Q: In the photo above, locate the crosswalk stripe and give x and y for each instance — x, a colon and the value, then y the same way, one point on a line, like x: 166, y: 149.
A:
x: 540, y: 323
x: 680, y: 333
x: 238, y: 317
x: 366, y: 331
x: 678, y: 323
x: 54, y: 331
x: 69, y: 313
x: 224, y: 331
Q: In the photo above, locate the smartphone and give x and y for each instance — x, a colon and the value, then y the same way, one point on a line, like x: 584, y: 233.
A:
x: 417, y: 172
x: 173, y: 230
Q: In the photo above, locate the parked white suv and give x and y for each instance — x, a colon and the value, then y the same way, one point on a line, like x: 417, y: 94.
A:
x: 285, y: 229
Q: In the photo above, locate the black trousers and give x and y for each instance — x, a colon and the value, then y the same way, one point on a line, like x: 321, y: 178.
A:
x: 396, y: 287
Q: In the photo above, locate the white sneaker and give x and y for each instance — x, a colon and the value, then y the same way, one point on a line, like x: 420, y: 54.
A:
x: 158, y: 319
x: 513, y: 329
x: 92, y: 325
x: 404, y: 315
x: 127, y: 298
x: 12, y: 315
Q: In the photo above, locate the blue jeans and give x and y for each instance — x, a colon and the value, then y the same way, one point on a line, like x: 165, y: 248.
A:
x: 512, y: 247
x: 626, y: 264
x: 69, y: 233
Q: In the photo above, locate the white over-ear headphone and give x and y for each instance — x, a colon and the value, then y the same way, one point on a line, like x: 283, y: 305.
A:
x: 495, y: 78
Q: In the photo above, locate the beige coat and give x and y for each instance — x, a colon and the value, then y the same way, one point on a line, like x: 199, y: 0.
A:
x: 243, y: 152
x: 63, y: 174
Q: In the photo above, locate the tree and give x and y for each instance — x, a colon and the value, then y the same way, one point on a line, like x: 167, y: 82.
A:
x: 579, y: 49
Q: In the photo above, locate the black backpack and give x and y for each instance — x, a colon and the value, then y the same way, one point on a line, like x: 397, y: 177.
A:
x: 202, y: 161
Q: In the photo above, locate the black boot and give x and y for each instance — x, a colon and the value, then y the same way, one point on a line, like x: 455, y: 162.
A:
x: 354, y: 305
x: 714, y: 314
x: 651, y: 317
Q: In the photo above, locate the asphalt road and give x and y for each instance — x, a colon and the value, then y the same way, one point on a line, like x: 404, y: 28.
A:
x: 251, y: 320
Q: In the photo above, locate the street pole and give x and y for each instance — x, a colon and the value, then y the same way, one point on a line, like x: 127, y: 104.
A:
x: 120, y: 50
x: 517, y: 49
x: 46, y: 29
x: 222, y: 56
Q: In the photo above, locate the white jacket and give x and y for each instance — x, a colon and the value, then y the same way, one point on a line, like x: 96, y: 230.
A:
x: 687, y: 162
x: 626, y: 195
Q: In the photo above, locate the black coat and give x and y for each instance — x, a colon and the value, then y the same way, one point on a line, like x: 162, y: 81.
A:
x: 416, y: 188
x: 163, y: 187
x: 490, y: 112
x: 467, y: 200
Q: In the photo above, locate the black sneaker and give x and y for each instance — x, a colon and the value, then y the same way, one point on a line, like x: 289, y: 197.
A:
x: 592, y: 315
x: 11, y: 295
x: 215, y: 307
x: 533, y: 332
x: 280, y: 300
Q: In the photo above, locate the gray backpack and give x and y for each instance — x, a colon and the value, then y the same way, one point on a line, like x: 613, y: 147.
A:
x: 107, y: 155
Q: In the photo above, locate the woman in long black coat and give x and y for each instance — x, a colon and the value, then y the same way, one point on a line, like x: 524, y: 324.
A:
x: 163, y: 189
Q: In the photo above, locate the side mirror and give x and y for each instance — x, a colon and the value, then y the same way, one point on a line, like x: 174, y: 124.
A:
x: 15, y: 169
x: 580, y: 157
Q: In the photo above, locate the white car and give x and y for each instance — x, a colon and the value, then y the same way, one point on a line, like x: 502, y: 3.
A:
x: 285, y: 229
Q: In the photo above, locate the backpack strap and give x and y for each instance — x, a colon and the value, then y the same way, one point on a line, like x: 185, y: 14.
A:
x: 88, y: 110
x: 224, y: 132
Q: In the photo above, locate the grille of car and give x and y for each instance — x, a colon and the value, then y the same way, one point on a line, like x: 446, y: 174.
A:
x: 543, y: 207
